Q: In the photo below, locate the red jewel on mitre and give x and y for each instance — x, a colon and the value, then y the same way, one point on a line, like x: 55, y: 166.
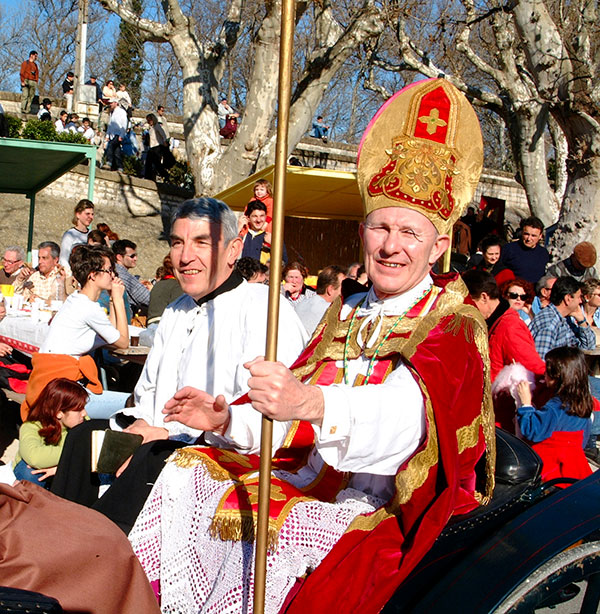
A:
x: 421, y: 161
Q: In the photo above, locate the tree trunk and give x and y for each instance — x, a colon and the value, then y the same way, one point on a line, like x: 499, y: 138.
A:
x: 579, y: 213
x: 526, y: 129
x: 239, y: 160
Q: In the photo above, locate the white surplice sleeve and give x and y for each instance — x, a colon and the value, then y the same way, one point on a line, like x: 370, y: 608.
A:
x: 245, y: 425
x: 373, y: 428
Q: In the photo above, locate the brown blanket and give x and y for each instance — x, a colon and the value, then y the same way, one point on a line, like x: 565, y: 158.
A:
x: 69, y: 552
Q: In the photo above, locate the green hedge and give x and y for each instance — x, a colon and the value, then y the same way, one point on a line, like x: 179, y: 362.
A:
x: 43, y: 130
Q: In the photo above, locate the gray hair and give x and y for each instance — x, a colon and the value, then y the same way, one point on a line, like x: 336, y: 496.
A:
x: 211, y: 209
x: 18, y: 250
x: 541, y: 284
x: 54, y: 248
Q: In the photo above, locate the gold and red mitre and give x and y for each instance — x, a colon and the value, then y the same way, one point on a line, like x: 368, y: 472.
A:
x: 423, y: 150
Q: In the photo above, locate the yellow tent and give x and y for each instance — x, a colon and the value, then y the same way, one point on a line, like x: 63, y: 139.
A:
x: 309, y: 193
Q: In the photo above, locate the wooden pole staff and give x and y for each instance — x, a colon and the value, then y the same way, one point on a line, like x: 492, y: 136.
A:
x: 281, y: 153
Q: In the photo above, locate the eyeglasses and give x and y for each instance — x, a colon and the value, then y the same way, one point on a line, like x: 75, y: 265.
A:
x: 131, y: 255
x: 7, y: 261
x: 109, y: 271
x: 516, y: 295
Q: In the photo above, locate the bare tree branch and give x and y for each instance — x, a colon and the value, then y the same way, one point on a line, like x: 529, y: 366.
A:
x: 149, y: 30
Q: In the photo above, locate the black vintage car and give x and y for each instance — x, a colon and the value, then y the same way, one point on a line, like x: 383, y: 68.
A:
x: 534, y: 546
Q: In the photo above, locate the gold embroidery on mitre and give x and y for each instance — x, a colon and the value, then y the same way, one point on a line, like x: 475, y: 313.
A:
x: 420, y: 173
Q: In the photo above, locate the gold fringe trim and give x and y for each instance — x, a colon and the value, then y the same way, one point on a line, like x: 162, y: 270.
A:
x: 188, y: 458
x: 242, y: 529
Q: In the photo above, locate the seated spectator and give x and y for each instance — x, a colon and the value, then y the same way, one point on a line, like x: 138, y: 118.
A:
x: 562, y: 322
x: 224, y: 111
x: 509, y: 339
x: 163, y: 293
x: 81, y: 325
x: 157, y: 141
x: 230, y: 128
x: 590, y: 292
x: 108, y: 91
x: 60, y: 406
x: 12, y: 263
x: 329, y: 287
x: 252, y: 271
x: 519, y: 294
x: 61, y: 123
x: 527, y: 258
x: 83, y: 216
x: 72, y: 123
x: 44, y: 113
x: 97, y: 237
x: 543, y: 288
x: 137, y: 292
x: 579, y: 265
x: 86, y: 129
x: 122, y: 95
x: 320, y: 129
x: 48, y: 281
x: 490, y: 260
x: 560, y: 429
x: 294, y: 288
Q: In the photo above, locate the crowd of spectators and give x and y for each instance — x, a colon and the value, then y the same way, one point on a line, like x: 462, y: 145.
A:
x: 532, y: 307
x: 533, y: 311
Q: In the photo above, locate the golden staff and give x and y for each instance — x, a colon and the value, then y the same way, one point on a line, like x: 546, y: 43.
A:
x: 264, y: 485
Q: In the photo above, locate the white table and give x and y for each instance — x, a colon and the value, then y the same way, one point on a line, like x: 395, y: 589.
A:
x: 22, y: 333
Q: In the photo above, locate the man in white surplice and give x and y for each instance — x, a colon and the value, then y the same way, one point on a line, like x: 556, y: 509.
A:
x: 202, y: 342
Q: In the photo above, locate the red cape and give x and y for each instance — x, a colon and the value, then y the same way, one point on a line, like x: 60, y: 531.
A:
x: 447, y: 350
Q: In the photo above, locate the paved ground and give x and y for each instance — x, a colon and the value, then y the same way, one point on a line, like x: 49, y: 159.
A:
x: 53, y: 216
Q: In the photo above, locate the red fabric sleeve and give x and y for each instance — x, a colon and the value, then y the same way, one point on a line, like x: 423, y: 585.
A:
x: 511, y: 341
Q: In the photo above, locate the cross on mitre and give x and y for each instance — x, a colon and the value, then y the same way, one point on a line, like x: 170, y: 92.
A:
x: 432, y: 121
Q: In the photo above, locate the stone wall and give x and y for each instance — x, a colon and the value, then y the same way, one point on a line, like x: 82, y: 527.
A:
x: 120, y: 192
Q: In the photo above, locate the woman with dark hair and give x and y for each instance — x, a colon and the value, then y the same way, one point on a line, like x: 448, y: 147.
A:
x: 509, y: 340
x: 97, y: 237
x: 83, y: 216
x: 490, y: 260
x: 60, y: 406
x: 81, y: 325
x: 520, y: 294
x: 294, y: 288
x: 560, y: 429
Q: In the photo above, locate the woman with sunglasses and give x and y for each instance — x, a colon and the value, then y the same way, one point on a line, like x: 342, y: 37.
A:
x: 81, y: 325
x: 519, y: 294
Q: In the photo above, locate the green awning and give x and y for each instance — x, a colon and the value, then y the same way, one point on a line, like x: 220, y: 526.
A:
x: 26, y: 167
